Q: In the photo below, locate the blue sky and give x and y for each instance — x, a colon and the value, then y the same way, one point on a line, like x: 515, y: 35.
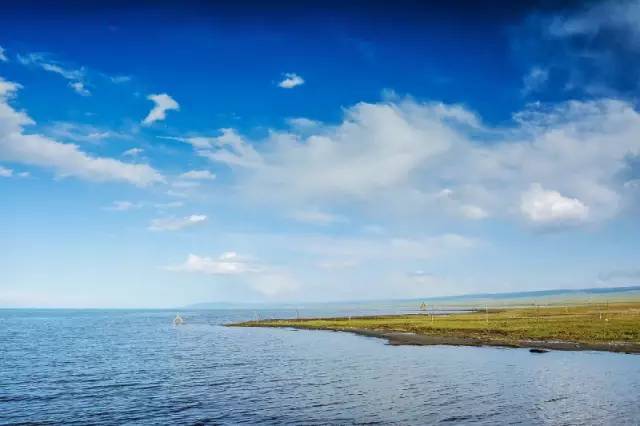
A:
x: 156, y: 155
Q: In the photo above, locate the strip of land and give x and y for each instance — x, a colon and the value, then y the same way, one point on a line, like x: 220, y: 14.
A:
x: 613, y: 327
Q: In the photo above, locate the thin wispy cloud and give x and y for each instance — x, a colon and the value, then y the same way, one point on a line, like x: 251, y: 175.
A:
x: 316, y: 217
x: 81, y: 132
x: 169, y: 205
x: 198, y: 175
x: 5, y: 172
x: 122, y: 206
x: 133, y: 152
x: 228, y: 263
x: 119, y: 79
x: 177, y: 224
x: 76, y: 77
x: 535, y: 80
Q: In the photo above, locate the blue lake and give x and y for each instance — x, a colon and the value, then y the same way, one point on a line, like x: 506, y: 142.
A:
x: 135, y: 367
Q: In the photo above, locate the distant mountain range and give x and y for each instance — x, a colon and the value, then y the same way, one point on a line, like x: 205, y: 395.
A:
x: 496, y: 297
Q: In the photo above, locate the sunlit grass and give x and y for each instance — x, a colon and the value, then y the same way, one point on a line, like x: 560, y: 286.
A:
x: 588, y: 323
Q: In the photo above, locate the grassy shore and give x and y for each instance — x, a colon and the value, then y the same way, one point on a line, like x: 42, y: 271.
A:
x: 596, y: 326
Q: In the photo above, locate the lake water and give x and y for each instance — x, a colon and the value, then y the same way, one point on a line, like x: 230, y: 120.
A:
x: 135, y: 367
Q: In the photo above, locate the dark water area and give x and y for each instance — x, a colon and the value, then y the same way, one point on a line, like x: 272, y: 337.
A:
x: 135, y: 367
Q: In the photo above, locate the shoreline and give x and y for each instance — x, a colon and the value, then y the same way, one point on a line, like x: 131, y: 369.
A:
x: 414, y: 339
x: 608, y: 327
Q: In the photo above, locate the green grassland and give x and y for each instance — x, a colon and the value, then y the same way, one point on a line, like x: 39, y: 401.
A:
x: 589, y: 323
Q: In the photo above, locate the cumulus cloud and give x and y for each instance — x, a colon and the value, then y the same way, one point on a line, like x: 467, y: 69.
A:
x: 291, y: 80
x: 3, y: 56
x: 441, y: 159
x: 176, y: 224
x: 18, y: 145
x: 163, y: 103
x: 550, y: 207
x: 198, y: 175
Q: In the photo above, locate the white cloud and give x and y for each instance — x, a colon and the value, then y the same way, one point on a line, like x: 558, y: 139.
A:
x: 3, y: 56
x: 268, y: 281
x: 228, y: 263
x: 473, y: 212
x: 598, y: 17
x: 77, y: 132
x: 535, y: 79
x: 121, y: 206
x: 18, y: 146
x: 374, y: 149
x: 80, y: 88
x: 301, y: 123
x: 632, y: 184
x: 133, y: 152
x: 119, y: 79
x: 169, y: 205
x: 198, y: 175
x: 450, y: 200
x: 550, y: 207
x: 185, y: 184
x: 291, y: 80
x: 5, y: 172
x: 197, y: 142
x: 337, y: 264
x: 163, y: 103
x: 430, y: 158
x: 333, y: 252
x: 229, y: 148
x: 76, y: 77
x: 316, y: 217
x: 176, y: 224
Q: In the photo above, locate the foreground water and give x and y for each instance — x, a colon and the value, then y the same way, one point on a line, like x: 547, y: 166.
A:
x: 134, y: 367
